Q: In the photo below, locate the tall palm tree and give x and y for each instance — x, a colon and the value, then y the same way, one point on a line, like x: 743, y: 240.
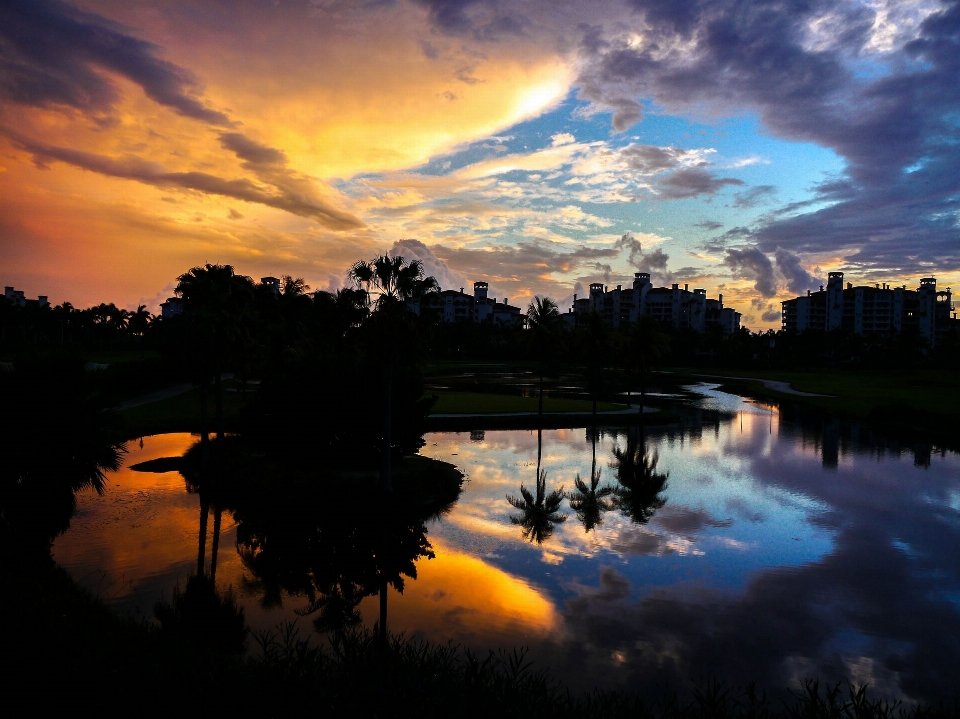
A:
x: 544, y: 325
x: 214, y: 298
x: 215, y: 544
x: 294, y: 287
x: 591, y: 502
x: 393, y: 282
x: 639, y: 491
x: 597, y: 346
x: 139, y: 321
x: 647, y: 345
x: 202, y: 539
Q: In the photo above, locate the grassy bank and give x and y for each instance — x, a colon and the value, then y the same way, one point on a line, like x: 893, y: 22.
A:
x: 862, y: 393
x: 489, y: 403
x: 916, y: 404
x: 180, y: 414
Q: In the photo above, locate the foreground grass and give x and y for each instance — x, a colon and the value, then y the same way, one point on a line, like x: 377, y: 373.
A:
x: 88, y: 657
x: 487, y: 403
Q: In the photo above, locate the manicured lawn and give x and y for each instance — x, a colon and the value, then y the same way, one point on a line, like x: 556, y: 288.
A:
x: 484, y: 403
x: 112, y: 357
x: 860, y: 392
x: 180, y: 413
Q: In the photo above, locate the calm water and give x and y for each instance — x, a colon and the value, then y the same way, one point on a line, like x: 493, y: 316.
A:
x: 775, y: 551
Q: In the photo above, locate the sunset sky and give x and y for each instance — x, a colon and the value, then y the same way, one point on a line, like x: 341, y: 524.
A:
x: 743, y: 146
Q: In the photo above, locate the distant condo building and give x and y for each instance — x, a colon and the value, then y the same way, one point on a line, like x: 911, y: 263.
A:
x: 18, y: 299
x: 878, y: 309
x: 680, y: 309
x: 452, y: 306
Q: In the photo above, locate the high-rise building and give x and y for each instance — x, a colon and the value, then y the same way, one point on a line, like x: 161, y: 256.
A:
x: 881, y: 308
x: 678, y: 308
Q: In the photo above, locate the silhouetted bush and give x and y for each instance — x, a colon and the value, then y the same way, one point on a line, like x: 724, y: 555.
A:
x: 202, y: 615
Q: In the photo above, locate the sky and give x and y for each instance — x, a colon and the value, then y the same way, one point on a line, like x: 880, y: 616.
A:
x: 744, y: 146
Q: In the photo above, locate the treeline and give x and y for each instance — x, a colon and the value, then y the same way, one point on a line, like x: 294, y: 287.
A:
x: 266, y: 324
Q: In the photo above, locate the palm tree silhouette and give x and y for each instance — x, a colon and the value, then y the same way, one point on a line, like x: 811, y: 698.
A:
x: 590, y: 502
x: 543, y: 324
x: 638, y: 494
x: 539, y: 513
x: 647, y: 344
x: 214, y: 297
x: 597, y: 346
x: 394, y: 283
x: 139, y: 322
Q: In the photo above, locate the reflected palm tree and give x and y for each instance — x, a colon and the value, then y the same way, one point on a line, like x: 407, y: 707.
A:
x: 59, y: 443
x: 215, y: 544
x: 333, y: 550
x: 539, y: 513
x: 590, y: 502
x: 638, y: 494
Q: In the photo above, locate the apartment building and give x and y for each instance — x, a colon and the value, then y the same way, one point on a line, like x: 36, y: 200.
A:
x: 880, y: 308
x: 675, y: 307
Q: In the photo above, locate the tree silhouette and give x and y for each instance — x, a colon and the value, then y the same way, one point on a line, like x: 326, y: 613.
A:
x: 638, y: 493
x: 394, y: 283
x: 60, y: 441
x: 544, y: 327
x: 539, y: 513
x: 139, y: 322
x: 591, y: 502
x: 214, y: 297
x: 596, y: 345
x: 647, y: 344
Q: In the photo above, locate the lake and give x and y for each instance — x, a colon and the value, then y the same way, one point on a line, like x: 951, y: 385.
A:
x: 741, y: 542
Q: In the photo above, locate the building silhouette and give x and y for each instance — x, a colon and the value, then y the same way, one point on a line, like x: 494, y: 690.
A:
x: 18, y: 299
x: 453, y: 306
x: 877, y: 309
x: 672, y: 306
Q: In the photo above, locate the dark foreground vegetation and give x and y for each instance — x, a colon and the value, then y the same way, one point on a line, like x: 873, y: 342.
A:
x: 88, y: 657
x: 329, y: 498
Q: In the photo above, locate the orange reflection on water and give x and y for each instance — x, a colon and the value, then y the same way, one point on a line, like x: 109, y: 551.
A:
x: 145, y: 525
x: 458, y: 595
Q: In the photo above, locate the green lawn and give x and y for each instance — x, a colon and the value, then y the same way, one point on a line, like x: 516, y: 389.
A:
x: 180, y: 413
x: 112, y: 357
x: 484, y: 403
x: 862, y: 392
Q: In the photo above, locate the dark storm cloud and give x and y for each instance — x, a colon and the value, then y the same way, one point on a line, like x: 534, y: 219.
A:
x: 632, y: 245
x: 648, y: 159
x: 655, y: 261
x: 754, y: 196
x: 483, y: 19
x: 693, y: 182
x: 709, y: 225
x: 895, y: 128
x: 753, y: 264
x: 52, y: 54
x: 798, y: 279
x: 687, y: 522
x: 523, y: 259
x: 251, y: 151
x: 287, y: 192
